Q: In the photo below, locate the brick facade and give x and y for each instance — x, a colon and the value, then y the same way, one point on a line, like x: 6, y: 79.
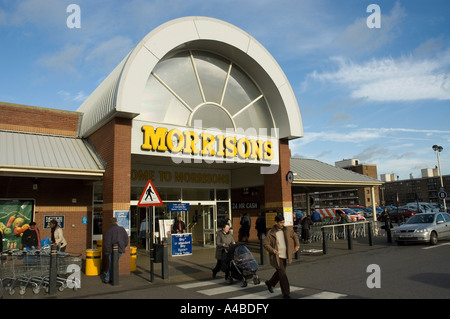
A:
x: 113, y: 143
x: 38, y: 120
x: 73, y: 198
x: 62, y: 197
x: 277, y: 190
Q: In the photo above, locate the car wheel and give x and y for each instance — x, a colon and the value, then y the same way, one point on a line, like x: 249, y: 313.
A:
x: 433, y: 238
x: 400, y: 243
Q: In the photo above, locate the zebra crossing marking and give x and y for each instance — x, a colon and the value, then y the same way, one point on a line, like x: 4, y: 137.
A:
x: 325, y: 295
x: 222, y: 288
x: 265, y: 293
x: 199, y: 284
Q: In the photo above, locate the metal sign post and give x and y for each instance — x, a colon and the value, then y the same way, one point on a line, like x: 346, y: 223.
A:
x: 150, y: 198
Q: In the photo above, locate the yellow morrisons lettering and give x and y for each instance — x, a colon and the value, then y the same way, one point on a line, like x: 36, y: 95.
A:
x: 189, y: 142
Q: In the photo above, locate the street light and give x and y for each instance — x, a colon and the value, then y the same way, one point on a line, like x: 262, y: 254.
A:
x: 438, y: 149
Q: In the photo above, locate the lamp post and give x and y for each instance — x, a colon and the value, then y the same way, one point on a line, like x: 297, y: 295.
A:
x: 438, y: 149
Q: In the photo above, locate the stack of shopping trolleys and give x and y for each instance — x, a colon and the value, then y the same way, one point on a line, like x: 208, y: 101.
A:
x: 31, y: 269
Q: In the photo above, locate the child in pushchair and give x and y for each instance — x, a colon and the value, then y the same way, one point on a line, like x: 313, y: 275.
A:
x: 242, y: 265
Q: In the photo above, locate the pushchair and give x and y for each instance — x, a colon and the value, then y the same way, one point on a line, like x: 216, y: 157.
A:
x: 242, y: 265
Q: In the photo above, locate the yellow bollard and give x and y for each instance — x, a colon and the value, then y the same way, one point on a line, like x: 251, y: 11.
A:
x: 93, y: 262
x: 133, y: 256
x: 99, y: 244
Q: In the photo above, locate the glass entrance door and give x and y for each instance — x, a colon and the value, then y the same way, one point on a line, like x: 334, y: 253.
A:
x: 209, y: 225
x: 202, y: 223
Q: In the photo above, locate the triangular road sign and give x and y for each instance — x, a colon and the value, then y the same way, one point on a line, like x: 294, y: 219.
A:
x: 149, y: 196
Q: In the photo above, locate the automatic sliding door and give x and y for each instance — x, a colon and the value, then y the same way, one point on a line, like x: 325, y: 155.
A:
x: 209, y: 225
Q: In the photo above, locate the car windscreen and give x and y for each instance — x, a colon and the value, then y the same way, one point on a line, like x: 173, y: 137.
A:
x: 421, y: 219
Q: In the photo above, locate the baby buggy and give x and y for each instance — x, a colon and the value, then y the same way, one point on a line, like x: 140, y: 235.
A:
x: 242, y: 265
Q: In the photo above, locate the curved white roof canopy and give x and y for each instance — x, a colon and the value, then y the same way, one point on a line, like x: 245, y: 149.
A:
x: 127, y: 90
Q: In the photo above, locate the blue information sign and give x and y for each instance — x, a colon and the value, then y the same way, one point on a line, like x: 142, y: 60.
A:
x: 179, y: 207
x: 182, y: 244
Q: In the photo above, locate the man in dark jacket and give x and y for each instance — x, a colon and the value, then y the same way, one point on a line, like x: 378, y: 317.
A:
x: 179, y: 226
x: 31, y: 237
x: 115, y: 235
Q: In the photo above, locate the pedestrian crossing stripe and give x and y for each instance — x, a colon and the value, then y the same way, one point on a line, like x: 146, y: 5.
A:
x: 265, y: 293
x: 206, y: 288
x: 325, y: 295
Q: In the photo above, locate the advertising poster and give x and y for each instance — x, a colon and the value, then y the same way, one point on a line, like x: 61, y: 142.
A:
x: 15, y: 216
x: 123, y: 219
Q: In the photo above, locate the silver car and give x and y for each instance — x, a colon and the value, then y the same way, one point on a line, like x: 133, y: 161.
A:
x: 424, y: 227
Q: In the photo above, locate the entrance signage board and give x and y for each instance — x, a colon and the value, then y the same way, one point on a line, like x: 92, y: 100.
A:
x: 182, y: 244
x: 179, y: 207
x: 149, y: 196
x: 212, y: 146
x: 178, y: 176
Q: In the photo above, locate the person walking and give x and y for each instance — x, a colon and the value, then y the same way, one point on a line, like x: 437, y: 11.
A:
x: 57, y: 236
x: 278, y: 244
x: 115, y: 235
x: 223, y: 242
x: 245, y: 227
x: 260, y: 225
x: 306, y: 222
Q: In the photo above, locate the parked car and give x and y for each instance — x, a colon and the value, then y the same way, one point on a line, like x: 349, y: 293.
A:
x: 400, y: 214
x: 421, y: 207
x: 368, y: 212
x: 424, y: 227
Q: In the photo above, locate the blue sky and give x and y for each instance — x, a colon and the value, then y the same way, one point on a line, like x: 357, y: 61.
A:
x: 381, y: 95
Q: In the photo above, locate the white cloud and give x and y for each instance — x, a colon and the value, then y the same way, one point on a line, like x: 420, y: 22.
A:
x: 360, y: 135
x: 67, y: 96
x: 65, y: 61
x: 358, y: 37
x: 109, y: 53
x: 388, y: 79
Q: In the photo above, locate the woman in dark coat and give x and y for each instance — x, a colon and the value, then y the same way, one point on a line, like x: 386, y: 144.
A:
x: 223, y: 241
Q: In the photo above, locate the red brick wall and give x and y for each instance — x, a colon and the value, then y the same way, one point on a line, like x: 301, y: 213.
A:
x: 113, y: 143
x: 38, y: 120
x: 277, y: 190
x: 70, y: 198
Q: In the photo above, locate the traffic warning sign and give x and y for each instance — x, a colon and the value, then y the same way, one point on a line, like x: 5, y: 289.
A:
x: 150, y: 196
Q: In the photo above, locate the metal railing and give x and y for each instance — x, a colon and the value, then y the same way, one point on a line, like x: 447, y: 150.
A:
x: 347, y: 231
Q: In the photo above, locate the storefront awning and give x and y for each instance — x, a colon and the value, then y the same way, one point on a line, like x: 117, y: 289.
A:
x: 314, y: 176
x: 37, y: 155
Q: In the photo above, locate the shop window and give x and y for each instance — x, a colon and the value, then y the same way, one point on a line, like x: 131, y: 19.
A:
x: 198, y: 194
x: 167, y: 193
x: 222, y: 194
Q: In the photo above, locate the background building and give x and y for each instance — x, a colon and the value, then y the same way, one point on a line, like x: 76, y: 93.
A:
x: 423, y: 189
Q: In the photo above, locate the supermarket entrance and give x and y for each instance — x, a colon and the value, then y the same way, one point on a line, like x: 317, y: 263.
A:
x: 202, y: 223
x: 201, y: 220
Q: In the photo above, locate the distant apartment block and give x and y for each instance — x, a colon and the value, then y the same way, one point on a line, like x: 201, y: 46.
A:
x: 422, y: 189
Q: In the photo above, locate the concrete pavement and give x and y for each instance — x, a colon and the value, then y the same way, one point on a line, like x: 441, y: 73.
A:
x: 185, y: 269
